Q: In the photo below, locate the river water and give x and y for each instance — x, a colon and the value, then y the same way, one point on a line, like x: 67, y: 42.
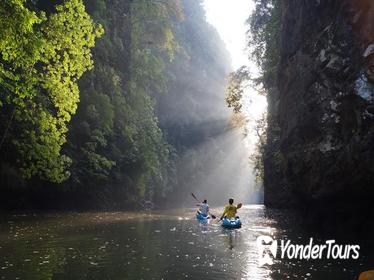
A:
x: 158, y: 245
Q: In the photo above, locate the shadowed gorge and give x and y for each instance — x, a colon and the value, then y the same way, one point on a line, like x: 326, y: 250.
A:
x: 151, y: 122
x: 186, y: 139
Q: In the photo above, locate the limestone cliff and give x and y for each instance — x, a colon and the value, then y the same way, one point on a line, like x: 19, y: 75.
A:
x: 320, y: 149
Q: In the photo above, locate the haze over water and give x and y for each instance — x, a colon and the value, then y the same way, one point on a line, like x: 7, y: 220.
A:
x: 155, y: 245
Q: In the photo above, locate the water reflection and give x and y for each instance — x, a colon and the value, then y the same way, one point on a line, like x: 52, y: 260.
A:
x: 230, y: 237
x: 204, y: 225
x: 154, y: 245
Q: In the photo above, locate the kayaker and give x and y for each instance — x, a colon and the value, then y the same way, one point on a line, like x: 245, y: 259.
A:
x: 230, y: 210
x: 204, y: 208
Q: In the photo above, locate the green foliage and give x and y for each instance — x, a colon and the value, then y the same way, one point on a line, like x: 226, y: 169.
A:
x: 153, y: 66
x: 115, y: 137
x: 152, y: 25
x: 264, y: 36
x: 235, y: 89
x: 263, y: 44
x: 192, y: 113
x: 265, y: 25
x: 41, y: 60
x: 151, y: 37
x: 263, y: 41
x: 257, y: 157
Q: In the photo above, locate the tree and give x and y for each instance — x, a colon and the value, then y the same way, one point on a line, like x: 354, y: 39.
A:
x: 42, y: 58
x: 126, y: 153
x: 263, y: 46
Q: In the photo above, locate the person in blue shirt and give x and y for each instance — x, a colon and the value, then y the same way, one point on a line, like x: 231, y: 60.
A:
x: 204, y: 208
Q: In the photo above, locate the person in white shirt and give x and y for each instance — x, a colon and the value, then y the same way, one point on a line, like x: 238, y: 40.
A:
x: 204, y: 208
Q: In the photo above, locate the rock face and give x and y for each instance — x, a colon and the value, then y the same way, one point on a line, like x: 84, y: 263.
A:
x: 320, y: 149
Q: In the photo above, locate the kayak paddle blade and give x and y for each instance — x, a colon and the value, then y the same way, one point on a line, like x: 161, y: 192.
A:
x: 194, y: 197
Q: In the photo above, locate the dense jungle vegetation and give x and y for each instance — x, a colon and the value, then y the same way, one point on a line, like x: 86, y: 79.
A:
x: 263, y: 45
x: 103, y: 101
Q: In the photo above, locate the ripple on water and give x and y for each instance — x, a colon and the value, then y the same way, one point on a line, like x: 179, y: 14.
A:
x: 123, y: 246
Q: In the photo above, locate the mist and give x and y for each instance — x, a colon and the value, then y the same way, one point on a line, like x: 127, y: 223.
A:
x: 213, y: 158
x: 151, y: 121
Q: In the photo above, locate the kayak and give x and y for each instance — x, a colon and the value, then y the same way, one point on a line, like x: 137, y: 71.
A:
x: 231, y: 223
x: 201, y: 217
x: 366, y: 275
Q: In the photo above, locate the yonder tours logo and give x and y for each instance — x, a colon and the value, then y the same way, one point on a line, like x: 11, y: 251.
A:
x: 268, y: 250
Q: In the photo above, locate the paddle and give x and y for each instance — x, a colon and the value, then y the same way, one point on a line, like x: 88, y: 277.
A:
x: 239, y: 205
x: 194, y: 196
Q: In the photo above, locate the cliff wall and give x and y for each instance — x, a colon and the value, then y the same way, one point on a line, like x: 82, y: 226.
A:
x: 320, y: 150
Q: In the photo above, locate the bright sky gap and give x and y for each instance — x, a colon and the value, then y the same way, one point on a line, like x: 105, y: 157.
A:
x: 229, y: 18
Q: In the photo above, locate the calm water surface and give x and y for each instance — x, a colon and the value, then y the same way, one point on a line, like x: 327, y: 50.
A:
x: 156, y: 245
